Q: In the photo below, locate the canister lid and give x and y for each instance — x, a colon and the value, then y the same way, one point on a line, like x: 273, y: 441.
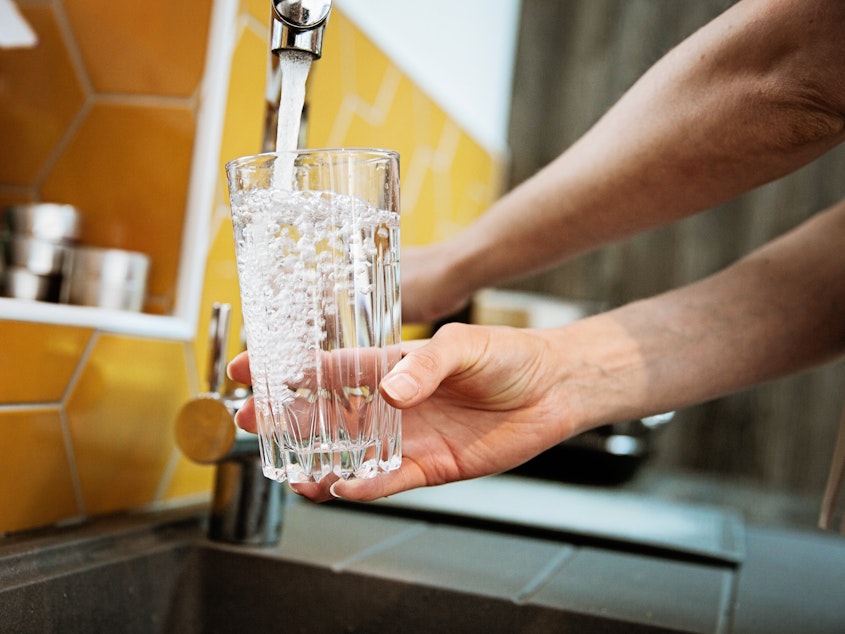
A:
x: 56, y: 222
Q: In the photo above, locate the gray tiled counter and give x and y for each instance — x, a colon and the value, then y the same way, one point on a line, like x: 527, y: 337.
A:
x: 621, y: 588
x: 399, y: 567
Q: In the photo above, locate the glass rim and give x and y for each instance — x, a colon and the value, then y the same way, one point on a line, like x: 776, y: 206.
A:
x: 373, y: 152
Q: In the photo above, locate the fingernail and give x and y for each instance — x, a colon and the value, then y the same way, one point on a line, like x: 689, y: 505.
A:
x: 238, y: 419
x: 400, y: 387
x: 333, y: 492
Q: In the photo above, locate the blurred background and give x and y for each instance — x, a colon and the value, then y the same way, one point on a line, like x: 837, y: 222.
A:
x: 777, y: 437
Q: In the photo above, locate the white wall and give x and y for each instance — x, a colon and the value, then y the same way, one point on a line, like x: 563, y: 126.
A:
x: 460, y: 52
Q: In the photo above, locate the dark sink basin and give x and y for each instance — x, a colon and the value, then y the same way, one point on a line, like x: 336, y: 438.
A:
x: 163, y: 579
x: 231, y: 592
x: 359, y: 569
x: 204, y: 589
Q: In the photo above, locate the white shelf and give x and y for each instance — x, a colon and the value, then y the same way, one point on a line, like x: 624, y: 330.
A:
x: 196, y: 233
x: 103, y: 319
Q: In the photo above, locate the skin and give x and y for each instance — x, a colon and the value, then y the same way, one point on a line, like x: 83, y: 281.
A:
x: 754, y: 95
x: 750, y: 97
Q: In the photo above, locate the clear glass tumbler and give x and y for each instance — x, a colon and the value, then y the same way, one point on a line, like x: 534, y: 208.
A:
x: 317, y: 246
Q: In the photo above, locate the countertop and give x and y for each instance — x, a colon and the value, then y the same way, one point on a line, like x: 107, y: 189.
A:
x: 512, y: 557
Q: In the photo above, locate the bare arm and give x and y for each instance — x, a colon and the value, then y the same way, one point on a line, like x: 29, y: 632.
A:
x: 480, y: 400
x: 750, y: 97
x: 777, y: 311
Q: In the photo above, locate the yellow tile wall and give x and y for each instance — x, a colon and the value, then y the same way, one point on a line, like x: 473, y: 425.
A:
x: 86, y: 416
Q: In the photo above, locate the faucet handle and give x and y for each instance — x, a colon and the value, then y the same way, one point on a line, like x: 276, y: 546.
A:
x: 205, y: 430
x: 247, y: 507
x: 205, y: 427
x: 218, y: 335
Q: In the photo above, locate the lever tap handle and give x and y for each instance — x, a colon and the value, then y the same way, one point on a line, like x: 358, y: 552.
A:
x: 218, y: 342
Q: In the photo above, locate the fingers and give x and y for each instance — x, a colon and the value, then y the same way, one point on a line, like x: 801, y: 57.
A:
x: 357, y: 489
x: 238, y: 369
x: 408, y: 476
x: 316, y: 491
x: 423, y: 368
x: 245, y: 416
x: 413, y: 379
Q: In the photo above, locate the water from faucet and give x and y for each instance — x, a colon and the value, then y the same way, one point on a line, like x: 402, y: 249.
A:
x: 294, y: 67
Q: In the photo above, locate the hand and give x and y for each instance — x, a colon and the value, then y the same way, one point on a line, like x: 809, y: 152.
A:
x: 477, y: 401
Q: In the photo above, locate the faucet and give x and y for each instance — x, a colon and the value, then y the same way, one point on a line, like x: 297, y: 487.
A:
x: 296, y: 28
x: 298, y: 25
x: 246, y: 507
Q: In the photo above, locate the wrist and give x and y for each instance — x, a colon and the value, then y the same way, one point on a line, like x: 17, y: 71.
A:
x: 600, y: 377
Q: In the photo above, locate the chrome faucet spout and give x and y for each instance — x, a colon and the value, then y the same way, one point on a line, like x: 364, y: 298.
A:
x: 299, y: 25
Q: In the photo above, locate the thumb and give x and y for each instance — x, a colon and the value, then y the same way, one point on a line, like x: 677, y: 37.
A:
x: 421, y: 371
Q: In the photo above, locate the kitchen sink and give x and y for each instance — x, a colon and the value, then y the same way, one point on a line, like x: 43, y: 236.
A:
x: 207, y: 589
x: 163, y: 578
x: 418, y: 565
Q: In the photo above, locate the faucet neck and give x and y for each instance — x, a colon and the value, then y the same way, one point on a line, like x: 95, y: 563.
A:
x: 299, y: 25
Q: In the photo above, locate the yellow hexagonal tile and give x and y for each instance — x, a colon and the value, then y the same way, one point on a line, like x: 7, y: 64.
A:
x: 39, y: 97
x: 358, y: 97
x: 154, y: 47
x: 478, y: 180
x: 128, y: 169
x: 37, y: 361
x: 243, y: 130
x: 221, y: 285
x: 121, y: 415
x: 11, y: 198
x: 258, y: 9
x: 189, y: 479
x: 36, y: 486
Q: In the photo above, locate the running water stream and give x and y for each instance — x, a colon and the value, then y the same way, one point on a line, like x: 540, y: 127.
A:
x: 294, y: 67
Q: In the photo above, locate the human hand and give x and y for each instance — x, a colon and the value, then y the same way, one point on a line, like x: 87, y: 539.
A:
x: 476, y: 400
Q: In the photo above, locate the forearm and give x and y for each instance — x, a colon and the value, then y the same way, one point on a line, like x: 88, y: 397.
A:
x: 750, y: 97
x: 777, y: 311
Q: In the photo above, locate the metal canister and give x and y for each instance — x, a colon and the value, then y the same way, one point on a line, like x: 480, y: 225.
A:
x: 35, y: 241
x: 109, y: 278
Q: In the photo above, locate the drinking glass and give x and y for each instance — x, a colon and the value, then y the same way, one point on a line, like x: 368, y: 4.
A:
x: 317, y: 248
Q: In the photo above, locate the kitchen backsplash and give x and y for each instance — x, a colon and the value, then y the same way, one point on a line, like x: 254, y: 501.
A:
x: 102, y: 114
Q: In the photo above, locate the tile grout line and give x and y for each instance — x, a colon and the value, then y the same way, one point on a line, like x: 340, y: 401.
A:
x: 71, y: 460
x: 145, y: 101
x: 248, y: 22
x: 395, y: 540
x: 167, y: 474
x: 28, y: 407
x: 77, y: 61
x: 83, y: 359
x: 727, y: 603
x: 554, y: 565
x: 62, y: 144
x: 169, y: 471
x: 76, y: 57
x: 65, y: 424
